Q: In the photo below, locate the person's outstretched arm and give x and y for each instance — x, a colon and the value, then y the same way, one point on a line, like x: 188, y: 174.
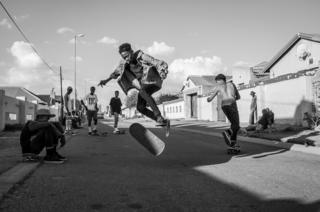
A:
x: 213, y: 95
x: 114, y: 75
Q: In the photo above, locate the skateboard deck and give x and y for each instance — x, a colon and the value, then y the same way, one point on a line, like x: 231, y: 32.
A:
x: 147, y: 139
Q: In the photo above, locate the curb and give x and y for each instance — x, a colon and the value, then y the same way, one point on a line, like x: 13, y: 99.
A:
x: 288, y: 146
x: 14, y: 176
x: 17, y: 174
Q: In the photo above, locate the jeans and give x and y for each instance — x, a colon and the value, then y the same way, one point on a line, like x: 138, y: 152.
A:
x: 145, y: 98
x: 231, y: 111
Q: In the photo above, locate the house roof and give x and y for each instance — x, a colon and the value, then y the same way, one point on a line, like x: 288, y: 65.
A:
x: 204, y: 80
x: 288, y: 47
x: 20, y: 91
x: 173, y: 101
x: 46, y: 98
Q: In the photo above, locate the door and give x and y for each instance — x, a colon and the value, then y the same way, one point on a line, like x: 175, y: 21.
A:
x: 193, y: 105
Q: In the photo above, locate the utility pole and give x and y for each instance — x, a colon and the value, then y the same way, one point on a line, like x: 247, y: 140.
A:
x: 61, y: 93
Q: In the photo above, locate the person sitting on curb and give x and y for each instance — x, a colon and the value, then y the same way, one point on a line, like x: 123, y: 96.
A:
x: 265, y: 122
x: 39, y: 134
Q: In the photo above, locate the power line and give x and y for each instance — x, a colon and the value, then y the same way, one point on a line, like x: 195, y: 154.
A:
x: 26, y: 38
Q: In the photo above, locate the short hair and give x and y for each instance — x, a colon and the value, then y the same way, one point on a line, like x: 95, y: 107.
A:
x: 92, y: 87
x: 116, y: 91
x: 125, y: 47
x: 221, y: 77
x: 69, y: 88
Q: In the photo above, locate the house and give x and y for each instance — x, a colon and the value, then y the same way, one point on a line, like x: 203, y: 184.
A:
x: 22, y: 94
x: 193, y: 104
x: 288, y: 83
x: 17, y: 105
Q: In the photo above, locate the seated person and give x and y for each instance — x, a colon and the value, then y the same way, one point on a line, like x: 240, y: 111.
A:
x: 75, y: 120
x: 39, y: 134
x: 265, y: 122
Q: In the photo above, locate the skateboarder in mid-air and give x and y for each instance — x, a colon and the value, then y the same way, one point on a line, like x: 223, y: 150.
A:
x: 230, y: 95
x: 140, y: 71
x: 90, y: 104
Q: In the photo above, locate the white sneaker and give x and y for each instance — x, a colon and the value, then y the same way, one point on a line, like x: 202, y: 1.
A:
x: 116, y: 130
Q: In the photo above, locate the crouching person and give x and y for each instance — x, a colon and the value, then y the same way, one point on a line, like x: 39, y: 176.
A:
x: 39, y: 134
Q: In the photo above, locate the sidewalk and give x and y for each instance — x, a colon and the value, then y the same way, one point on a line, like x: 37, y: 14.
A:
x: 10, y: 152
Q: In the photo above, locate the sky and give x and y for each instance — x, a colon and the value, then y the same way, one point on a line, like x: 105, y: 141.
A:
x: 202, y: 37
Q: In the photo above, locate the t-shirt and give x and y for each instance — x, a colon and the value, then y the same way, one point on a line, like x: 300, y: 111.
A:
x: 115, y: 104
x: 91, y: 101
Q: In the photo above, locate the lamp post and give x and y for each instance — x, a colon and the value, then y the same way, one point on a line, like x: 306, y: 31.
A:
x: 75, y: 68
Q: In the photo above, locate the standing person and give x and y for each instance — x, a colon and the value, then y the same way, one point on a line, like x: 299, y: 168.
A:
x: 90, y: 103
x: 68, y: 110
x: 230, y: 95
x: 253, y: 109
x: 140, y: 71
x: 39, y: 134
x: 115, y: 109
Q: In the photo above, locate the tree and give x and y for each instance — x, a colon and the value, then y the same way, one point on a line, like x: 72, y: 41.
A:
x: 131, y: 99
x: 166, y: 97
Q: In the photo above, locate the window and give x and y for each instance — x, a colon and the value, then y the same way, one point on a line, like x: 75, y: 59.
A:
x: 177, y: 109
x: 180, y: 109
x: 28, y: 117
x: 11, y: 117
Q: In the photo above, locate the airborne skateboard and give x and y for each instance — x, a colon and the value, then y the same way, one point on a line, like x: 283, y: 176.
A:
x: 232, y: 148
x: 147, y: 139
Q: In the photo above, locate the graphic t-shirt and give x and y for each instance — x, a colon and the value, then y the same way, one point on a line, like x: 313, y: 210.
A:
x: 91, y: 101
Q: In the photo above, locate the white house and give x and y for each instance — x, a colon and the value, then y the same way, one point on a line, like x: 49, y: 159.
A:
x: 289, y: 90
x: 173, y: 109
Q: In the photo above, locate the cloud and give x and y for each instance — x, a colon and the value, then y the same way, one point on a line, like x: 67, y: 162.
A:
x: 2, y: 64
x: 24, y: 54
x: 181, y: 68
x: 5, y: 23
x: 28, y: 71
x: 108, y: 41
x: 64, y: 30
x: 160, y: 48
x: 78, y: 58
x: 241, y: 64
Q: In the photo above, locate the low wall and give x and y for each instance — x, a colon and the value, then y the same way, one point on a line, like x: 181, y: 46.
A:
x: 288, y: 99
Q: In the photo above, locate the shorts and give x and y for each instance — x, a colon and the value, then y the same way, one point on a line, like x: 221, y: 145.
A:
x: 92, y: 114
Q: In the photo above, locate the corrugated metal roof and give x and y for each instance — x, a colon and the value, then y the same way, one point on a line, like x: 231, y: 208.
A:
x: 20, y: 91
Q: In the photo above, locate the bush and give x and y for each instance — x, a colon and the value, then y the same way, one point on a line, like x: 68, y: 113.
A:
x: 13, y: 127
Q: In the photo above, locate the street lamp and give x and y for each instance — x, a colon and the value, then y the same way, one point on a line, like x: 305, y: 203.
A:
x: 75, y: 68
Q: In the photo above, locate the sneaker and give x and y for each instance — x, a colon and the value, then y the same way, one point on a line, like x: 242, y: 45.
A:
x: 234, y: 144
x: 54, y: 159
x: 162, y: 122
x: 61, y: 157
x: 116, y: 131
x: 95, y: 131
x: 30, y: 158
x: 89, y: 133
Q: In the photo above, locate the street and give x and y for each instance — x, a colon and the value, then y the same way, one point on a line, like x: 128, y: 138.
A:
x: 194, y: 173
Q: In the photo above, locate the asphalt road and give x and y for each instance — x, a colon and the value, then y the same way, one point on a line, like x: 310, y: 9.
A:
x: 194, y: 173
